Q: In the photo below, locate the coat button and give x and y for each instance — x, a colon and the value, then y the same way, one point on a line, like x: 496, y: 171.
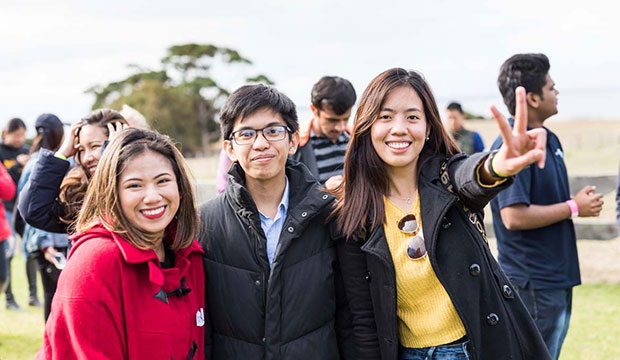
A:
x: 507, y: 291
x: 474, y: 269
x: 492, y: 319
x: 325, y: 197
x: 290, y: 229
x: 304, y: 214
x: 257, y: 282
x: 445, y: 223
x: 263, y: 339
x: 368, y: 276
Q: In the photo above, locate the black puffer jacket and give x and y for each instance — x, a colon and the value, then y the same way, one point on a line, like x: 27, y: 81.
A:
x: 497, y: 323
x: 297, y: 309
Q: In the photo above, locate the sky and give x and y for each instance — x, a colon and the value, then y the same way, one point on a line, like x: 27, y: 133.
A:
x: 52, y: 51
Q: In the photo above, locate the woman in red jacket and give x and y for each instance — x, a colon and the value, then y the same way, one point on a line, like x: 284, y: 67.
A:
x: 133, y: 287
x: 7, y: 191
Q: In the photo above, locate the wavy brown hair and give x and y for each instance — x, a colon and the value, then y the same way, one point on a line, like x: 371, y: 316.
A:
x: 76, y: 181
x: 102, y: 200
x: 364, y: 179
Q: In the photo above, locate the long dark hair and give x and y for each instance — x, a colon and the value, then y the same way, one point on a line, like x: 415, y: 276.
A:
x: 364, y: 179
x: 76, y: 181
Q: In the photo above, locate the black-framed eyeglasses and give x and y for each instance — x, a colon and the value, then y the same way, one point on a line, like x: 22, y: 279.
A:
x: 270, y: 133
x: 410, y: 225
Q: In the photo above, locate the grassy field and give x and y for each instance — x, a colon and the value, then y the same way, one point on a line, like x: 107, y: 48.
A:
x: 594, y: 331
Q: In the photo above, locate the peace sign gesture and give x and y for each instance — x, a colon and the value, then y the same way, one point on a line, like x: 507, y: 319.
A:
x: 521, y: 147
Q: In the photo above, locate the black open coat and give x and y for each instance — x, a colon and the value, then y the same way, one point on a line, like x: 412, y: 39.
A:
x: 295, y: 310
x: 497, y: 323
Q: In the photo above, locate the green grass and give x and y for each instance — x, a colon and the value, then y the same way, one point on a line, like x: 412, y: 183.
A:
x: 593, y: 334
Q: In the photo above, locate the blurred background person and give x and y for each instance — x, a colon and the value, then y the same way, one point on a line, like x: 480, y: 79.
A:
x: 14, y: 155
x: 53, y: 197
x: 324, y: 139
x: 469, y: 142
x: 47, y: 249
x: 7, y: 190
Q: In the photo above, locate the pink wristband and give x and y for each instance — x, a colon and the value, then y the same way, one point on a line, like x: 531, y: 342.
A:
x: 574, y: 209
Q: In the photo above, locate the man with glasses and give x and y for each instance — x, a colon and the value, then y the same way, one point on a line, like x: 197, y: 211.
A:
x: 273, y: 286
x: 324, y: 140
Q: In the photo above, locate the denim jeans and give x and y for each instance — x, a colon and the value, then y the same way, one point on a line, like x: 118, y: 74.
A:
x: 441, y: 352
x: 551, y: 310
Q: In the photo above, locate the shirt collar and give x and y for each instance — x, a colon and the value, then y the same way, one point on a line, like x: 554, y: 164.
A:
x: 283, y: 206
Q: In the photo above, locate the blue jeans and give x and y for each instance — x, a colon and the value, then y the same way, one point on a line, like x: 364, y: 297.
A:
x: 550, y: 309
x: 441, y: 352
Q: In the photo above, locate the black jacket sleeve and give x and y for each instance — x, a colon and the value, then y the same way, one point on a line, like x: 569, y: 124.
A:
x: 463, y: 171
x: 37, y: 202
x: 354, y: 269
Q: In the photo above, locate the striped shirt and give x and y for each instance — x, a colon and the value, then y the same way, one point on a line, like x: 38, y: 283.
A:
x: 329, y: 156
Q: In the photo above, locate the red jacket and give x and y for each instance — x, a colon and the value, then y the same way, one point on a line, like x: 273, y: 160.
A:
x: 111, y: 303
x: 7, y: 191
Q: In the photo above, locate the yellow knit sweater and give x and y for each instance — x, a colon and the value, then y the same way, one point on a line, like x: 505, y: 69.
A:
x: 426, y: 315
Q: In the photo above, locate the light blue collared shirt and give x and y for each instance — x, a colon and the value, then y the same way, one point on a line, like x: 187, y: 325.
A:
x: 273, y: 228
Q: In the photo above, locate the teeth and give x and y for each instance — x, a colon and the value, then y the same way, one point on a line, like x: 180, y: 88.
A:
x: 92, y: 169
x: 398, y: 145
x: 153, y: 212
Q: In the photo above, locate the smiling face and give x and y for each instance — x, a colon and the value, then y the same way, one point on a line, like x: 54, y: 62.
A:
x: 263, y: 160
x: 148, y: 192
x: 91, y: 138
x: 399, y: 133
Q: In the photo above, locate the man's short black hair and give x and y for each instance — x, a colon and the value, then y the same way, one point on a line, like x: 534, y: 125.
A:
x: 15, y: 124
x: 334, y: 93
x: 455, y: 106
x: 249, y: 99
x: 527, y: 70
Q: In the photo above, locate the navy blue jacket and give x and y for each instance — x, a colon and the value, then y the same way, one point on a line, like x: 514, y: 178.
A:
x: 38, y: 203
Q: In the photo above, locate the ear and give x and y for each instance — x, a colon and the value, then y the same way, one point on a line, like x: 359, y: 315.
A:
x: 315, y: 110
x: 227, y: 145
x: 533, y: 100
x: 294, y: 143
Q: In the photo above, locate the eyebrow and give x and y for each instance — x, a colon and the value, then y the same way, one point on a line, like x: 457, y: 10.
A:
x: 408, y: 110
x: 273, y: 123
x: 139, y: 179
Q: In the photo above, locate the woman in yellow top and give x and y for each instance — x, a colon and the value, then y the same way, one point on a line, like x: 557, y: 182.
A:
x: 419, y: 276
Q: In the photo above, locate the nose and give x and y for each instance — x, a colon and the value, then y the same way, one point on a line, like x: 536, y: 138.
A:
x: 399, y: 126
x: 151, y: 195
x: 261, y: 142
x: 340, y: 126
x: 88, y: 156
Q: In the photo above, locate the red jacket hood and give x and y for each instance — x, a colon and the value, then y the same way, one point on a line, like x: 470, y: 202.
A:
x: 131, y: 254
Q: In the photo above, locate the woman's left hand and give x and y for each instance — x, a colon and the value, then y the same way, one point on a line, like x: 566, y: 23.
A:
x: 521, y: 147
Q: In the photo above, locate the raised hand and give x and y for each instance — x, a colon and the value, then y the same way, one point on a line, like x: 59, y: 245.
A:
x: 521, y: 147
x: 115, y: 128
x: 68, y: 148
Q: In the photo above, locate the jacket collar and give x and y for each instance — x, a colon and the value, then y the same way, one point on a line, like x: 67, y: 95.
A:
x: 435, y: 201
x: 304, y: 191
x: 133, y: 255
